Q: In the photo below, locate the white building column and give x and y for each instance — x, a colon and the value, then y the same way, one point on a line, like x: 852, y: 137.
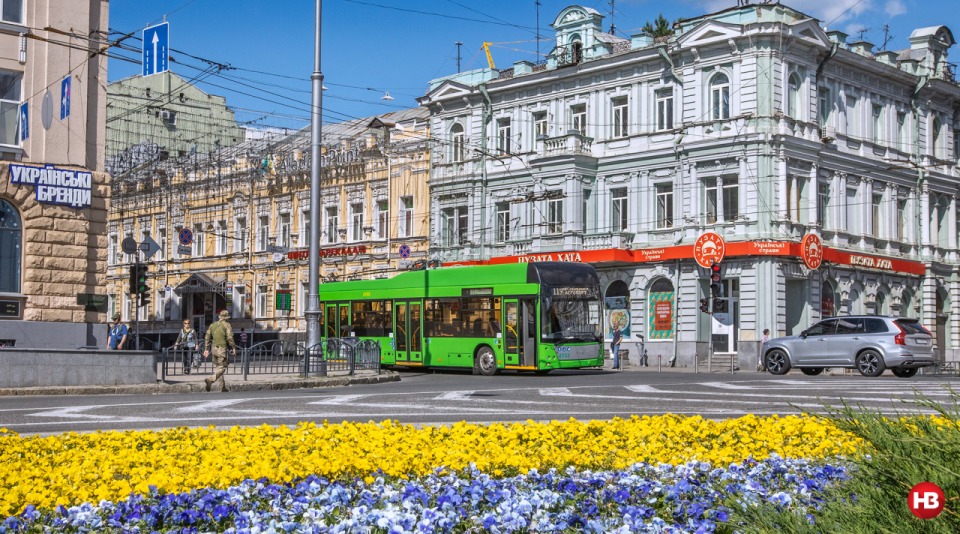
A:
x: 696, y: 209
x: 742, y: 180
x: 812, y: 199
x: 603, y: 201
x: 924, y: 216
x: 952, y: 229
x: 647, y: 196
x: 634, y: 213
x: 782, y: 185
x: 839, y: 193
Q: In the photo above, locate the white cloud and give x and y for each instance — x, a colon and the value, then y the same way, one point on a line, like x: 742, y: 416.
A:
x: 894, y: 8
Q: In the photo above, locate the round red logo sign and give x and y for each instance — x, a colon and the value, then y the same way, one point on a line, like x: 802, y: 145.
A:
x: 925, y: 500
x: 812, y: 251
x: 709, y: 247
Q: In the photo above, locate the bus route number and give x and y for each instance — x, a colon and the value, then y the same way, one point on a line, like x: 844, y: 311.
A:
x: 366, y: 294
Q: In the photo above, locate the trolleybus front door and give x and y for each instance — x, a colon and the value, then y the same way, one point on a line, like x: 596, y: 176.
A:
x: 330, y: 328
x: 511, y: 332
x: 408, y: 332
x: 528, y: 340
x: 400, y: 332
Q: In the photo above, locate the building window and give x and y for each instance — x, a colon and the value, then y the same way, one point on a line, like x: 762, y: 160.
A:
x: 578, y: 118
x: 935, y: 143
x: 877, y: 124
x: 823, y: 202
x: 875, y: 215
x: 619, y: 221
x: 221, y: 238
x: 356, y: 222
x: 853, y: 206
x: 304, y: 228
x: 10, y: 93
x: 540, y: 123
x: 283, y: 232
x: 11, y: 247
x: 902, y: 138
x: 901, y: 219
x: 199, y: 248
x: 794, y: 192
x: 503, y: 136
x: 406, y: 216
x: 176, y: 251
x: 665, y: 109
x: 263, y: 232
x: 383, y: 219
x: 720, y: 97
x: 851, y: 113
x: 793, y: 97
x: 555, y: 213
x: 162, y: 241
x: 241, y: 229
x: 824, y: 108
x: 664, y: 205
x: 503, y: 222
x: 454, y: 221
x: 111, y: 244
x: 620, y: 117
x: 333, y: 223
x: 13, y: 11
x: 457, y: 139
x: 710, y: 198
x: 263, y: 295
x: 144, y: 234
x: 462, y: 225
x: 731, y: 199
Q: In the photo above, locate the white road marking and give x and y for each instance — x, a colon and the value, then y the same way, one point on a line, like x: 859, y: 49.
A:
x: 338, y: 399
x: 210, y: 406
x: 455, y: 396
x: 723, y: 385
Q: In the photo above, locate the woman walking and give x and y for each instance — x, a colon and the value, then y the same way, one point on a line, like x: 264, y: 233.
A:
x: 188, y: 341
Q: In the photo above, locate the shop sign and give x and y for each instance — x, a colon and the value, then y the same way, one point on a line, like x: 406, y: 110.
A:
x: 63, y: 187
x: 811, y: 250
x: 284, y: 297
x: 875, y: 263
x: 327, y: 252
x: 570, y: 256
x: 92, y: 302
x: 9, y: 308
x: 708, y: 248
x: 661, y: 315
x: 618, y: 316
x: 769, y: 248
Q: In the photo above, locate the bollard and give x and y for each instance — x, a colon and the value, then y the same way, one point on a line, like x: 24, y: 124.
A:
x: 245, y: 362
x: 733, y: 363
x: 696, y: 362
x: 659, y: 356
x: 163, y: 365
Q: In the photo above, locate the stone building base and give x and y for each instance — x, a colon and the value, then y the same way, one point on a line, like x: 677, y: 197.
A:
x: 53, y: 335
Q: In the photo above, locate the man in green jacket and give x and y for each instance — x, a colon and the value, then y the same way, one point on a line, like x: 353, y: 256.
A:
x: 219, y: 335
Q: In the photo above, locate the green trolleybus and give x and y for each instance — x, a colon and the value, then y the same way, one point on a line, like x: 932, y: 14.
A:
x: 526, y: 316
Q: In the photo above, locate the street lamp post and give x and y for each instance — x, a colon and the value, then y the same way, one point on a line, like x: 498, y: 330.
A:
x: 312, y: 312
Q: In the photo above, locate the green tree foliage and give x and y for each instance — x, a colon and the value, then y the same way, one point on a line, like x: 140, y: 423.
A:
x: 659, y: 28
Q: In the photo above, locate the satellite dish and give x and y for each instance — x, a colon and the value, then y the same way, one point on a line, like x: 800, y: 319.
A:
x: 46, y: 110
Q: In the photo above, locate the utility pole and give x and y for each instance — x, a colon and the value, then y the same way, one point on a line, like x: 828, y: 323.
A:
x: 312, y: 312
x: 538, y: 4
x: 613, y: 27
x: 459, y: 44
x: 886, y: 36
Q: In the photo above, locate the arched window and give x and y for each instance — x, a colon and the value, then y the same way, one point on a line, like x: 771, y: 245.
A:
x: 576, y: 48
x: 720, y: 97
x: 11, y: 247
x: 456, y: 140
x: 828, y: 300
x: 793, y: 96
x: 881, y: 307
x: 906, y: 303
x: 935, y: 149
x: 661, y: 309
x: 617, y: 308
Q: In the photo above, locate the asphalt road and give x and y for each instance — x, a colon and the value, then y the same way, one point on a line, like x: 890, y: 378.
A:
x: 449, y: 396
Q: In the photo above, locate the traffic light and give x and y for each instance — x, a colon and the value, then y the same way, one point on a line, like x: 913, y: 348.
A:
x: 719, y: 305
x: 142, y: 289
x: 144, y: 300
x: 715, y: 279
x: 705, y: 305
x: 132, y: 288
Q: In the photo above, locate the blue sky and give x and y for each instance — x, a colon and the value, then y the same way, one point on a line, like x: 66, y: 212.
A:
x: 383, y: 49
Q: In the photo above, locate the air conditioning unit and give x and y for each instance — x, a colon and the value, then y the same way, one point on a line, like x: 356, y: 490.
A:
x: 828, y: 134
x: 170, y: 117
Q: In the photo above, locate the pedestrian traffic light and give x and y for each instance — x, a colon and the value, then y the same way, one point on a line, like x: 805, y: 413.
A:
x: 144, y: 300
x: 705, y: 305
x: 141, y: 279
x: 715, y: 279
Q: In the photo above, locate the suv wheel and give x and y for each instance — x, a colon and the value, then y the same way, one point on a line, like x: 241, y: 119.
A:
x: 869, y: 363
x: 812, y: 371
x: 487, y: 362
x: 905, y: 372
x: 777, y: 362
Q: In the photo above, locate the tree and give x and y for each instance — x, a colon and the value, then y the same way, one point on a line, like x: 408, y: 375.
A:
x: 660, y: 27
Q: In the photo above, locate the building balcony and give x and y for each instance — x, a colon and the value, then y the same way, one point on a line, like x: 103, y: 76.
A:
x: 570, y: 144
x: 604, y: 241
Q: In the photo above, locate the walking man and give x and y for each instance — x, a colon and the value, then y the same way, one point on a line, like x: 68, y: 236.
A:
x: 219, y: 335
x: 118, y: 334
x: 615, y: 347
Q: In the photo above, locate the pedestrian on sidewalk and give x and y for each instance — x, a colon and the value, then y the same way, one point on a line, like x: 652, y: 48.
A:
x: 615, y: 347
x: 187, y: 341
x: 762, y: 365
x: 118, y: 334
x: 219, y: 335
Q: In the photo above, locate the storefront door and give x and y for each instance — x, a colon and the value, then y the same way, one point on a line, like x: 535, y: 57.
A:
x: 726, y: 327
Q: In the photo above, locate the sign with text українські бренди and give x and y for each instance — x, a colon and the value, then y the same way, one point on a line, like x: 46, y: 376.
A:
x: 63, y: 187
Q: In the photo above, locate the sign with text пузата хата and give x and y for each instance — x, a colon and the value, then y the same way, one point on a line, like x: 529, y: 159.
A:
x: 64, y: 187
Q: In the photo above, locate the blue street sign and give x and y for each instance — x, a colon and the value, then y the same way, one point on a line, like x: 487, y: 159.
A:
x: 65, y: 98
x: 24, y: 121
x: 186, y: 236
x: 156, y: 49
x: 404, y: 251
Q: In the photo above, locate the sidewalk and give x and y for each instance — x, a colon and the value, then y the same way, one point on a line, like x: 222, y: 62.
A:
x: 195, y: 384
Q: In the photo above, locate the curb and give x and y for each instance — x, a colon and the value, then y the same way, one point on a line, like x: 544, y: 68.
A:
x: 160, y: 389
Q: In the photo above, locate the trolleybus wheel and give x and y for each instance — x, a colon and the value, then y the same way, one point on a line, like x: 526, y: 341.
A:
x: 487, y: 361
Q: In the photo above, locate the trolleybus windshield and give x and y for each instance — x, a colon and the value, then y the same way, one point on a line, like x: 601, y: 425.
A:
x: 571, y: 314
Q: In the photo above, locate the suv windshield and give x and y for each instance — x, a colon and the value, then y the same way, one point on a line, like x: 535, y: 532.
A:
x: 912, y: 326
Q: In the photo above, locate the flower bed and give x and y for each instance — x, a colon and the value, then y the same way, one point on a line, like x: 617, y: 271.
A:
x: 642, y: 498
x: 71, y: 469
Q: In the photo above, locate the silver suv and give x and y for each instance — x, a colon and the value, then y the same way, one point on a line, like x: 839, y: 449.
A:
x: 868, y: 343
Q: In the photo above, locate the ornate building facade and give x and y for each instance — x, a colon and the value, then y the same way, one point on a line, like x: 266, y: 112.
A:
x: 754, y: 123
x: 247, y: 210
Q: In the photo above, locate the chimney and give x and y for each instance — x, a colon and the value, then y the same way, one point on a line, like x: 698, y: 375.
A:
x: 864, y: 48
x: 838, y: 36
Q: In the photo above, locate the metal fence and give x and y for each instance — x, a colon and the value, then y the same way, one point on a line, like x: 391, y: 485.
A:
x: 942, y: 368
x: 278, y: 357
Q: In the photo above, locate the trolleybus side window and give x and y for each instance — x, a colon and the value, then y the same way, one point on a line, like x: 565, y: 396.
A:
x: 442, y: 318
x: 478, y: 317
x: 370, y: 318
x: 415, y: 333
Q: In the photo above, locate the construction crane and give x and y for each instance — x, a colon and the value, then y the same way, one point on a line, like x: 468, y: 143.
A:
x: 486, y: 48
